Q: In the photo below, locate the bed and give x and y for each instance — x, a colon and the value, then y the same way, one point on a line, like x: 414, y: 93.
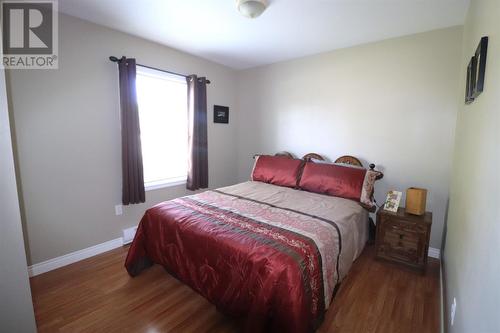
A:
x: 271, y: 255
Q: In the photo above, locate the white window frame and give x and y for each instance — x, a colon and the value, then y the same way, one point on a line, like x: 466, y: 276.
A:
x: 168, y: 182
x: 155, y: 185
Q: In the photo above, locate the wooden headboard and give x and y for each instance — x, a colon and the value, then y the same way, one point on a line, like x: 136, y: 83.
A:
x: 280, y: 153
x: 284, y: 153
x: 345, y: 159
x: 308, y: 157
x: 348, y: 159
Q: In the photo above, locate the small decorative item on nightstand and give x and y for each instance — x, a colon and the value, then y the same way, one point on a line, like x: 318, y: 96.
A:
x: 415, y: 200
x: 392, y: 201
x: 403, y: 238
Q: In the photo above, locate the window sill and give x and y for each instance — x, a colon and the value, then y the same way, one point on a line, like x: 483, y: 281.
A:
x: 164, y: 183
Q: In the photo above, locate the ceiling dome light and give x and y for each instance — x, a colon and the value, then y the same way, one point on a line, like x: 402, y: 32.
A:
x: 252, y: 8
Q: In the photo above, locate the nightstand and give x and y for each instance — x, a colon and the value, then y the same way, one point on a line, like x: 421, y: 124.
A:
x: 403, y: 238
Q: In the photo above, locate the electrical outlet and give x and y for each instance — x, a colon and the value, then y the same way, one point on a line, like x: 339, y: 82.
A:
x: 118, y: 209
x: 453, y: 310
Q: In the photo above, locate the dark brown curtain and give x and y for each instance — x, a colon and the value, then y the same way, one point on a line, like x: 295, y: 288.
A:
x: 132, y: 170
x: 198, y: 143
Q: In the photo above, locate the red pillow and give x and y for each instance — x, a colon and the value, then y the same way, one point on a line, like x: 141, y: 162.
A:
x: 334, y: 180
x: 277, y: 170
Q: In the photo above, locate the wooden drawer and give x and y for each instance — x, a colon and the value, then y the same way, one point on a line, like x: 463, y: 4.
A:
x: 399, y: 247
x: 409, y: 226
x: 401, y: 224
x: 400, y: 240
x: 403, y: 234
x: 399, y: 254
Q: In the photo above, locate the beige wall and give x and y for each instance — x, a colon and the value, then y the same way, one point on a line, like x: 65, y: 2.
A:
x: 392, y: 103
x: 472, y: 265
x: 16, y: 309
x: 68, y: 137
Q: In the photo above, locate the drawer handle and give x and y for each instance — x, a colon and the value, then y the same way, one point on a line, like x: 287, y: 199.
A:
x: 401, y: 236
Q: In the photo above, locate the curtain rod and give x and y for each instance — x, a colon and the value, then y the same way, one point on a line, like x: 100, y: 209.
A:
x: 115, y: 59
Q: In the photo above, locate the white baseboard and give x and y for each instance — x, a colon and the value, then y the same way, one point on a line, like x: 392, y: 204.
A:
x: 434, y: 253
x: 73, y: 257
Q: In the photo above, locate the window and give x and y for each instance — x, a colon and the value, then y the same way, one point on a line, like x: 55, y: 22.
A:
x: 163, y: 117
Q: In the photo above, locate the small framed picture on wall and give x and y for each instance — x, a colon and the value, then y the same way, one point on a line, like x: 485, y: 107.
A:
x: 221, y: 114
x: 480, y: 67
x: 474, y: 84
x: 470, y: 81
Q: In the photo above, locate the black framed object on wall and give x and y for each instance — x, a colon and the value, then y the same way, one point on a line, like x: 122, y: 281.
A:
x: 221, y: 114
x: 480, y: 66
x: 469, y: 81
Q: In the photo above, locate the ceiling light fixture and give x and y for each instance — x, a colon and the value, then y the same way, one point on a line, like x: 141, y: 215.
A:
x: 251, y: 8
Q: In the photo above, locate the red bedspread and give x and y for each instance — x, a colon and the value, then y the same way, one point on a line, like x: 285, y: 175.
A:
x: 223, y: 246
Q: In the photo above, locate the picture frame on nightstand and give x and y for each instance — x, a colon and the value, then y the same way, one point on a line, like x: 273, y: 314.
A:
x: 392, y: 201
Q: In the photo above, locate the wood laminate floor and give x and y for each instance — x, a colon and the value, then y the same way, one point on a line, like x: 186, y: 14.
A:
x: 97, y: 295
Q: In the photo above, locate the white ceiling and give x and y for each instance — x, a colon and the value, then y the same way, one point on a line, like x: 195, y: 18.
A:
x: 215, y: 30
